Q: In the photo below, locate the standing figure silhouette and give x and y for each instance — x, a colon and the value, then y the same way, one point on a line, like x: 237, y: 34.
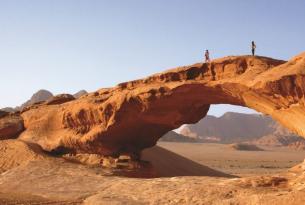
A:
x: 253, y: 46
x: 207, y: 56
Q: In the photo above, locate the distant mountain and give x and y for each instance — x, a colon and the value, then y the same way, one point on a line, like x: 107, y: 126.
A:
x: 39, y: 96
x: 231, y: 127
x: 237, y: 127
x: 172, y: 136
x: 7, y: 109
x: 280, y: 140
x: 80, y: 93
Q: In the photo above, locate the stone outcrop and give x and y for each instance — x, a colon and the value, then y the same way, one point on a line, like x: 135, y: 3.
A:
x: 3, y: 113
x: 11, y: 125
x: 134, y: 115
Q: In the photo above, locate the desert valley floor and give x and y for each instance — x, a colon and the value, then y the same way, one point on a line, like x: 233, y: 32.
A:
x: 242, y: 163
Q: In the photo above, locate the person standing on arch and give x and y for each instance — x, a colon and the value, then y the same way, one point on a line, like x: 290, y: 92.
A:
x: 253, y: 46
x: 207, y: 56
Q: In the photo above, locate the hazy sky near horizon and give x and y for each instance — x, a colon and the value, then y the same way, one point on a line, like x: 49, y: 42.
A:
x: 68, y: 45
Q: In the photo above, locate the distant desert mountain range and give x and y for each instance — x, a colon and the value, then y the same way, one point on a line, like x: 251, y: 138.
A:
x: 39, y: 96
x: 172, y: 136
x: 236, y: 128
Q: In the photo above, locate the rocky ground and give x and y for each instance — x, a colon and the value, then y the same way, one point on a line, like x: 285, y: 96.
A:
x: 39, y: 178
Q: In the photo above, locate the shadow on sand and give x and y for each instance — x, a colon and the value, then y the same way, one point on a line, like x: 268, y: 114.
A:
x: 164, y: 163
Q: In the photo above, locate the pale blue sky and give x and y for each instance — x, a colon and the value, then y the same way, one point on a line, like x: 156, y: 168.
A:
x: 69, y: 45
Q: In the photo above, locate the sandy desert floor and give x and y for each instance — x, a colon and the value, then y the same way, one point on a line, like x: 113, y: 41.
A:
x: 54, y: 180
x: 242, y: 163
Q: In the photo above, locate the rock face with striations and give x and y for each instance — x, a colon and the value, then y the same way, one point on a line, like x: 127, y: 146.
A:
x: 134, y: 115
x: 11, y: 125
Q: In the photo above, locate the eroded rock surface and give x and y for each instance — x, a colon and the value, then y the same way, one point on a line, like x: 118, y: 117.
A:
x: 11, y: 125
x: 134, y: 115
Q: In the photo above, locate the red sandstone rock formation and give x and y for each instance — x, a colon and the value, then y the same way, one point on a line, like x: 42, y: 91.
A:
x: 134, y: 115
x: 11, y: 125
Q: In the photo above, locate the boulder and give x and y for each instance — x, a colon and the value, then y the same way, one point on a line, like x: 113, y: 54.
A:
x: 3, y: 113
x: 10, y: 126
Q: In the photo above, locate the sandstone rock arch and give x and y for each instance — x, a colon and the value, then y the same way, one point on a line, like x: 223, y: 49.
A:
x: 134, y: 115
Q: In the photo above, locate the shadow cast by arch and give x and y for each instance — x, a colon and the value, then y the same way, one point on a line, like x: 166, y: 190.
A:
x: 158, y: 162
x: 170, y: 164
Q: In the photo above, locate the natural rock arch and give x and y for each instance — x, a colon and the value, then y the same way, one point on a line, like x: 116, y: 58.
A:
x: 134, y: 115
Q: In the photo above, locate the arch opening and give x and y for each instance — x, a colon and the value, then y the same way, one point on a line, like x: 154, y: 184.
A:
x: 238, y: 141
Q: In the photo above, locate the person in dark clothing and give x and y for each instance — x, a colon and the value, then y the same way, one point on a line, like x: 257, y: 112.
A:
x: 207, y: 56
x: 253, y: 46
